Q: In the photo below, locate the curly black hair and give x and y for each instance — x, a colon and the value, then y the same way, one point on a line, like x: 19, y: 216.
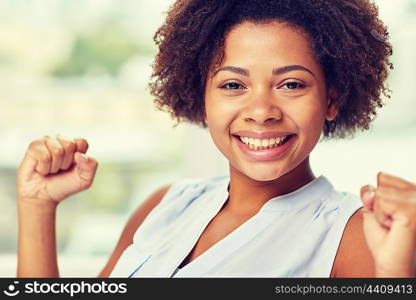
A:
x: 349, y: 41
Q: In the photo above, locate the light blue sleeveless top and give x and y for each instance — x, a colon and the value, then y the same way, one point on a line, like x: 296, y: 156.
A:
x: 293, y: 235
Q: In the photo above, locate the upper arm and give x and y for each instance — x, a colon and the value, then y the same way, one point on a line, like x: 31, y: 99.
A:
x: 353, y: 258
x: 126, y: 238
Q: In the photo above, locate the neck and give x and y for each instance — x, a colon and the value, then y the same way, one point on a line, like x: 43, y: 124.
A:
x: 247, y: 196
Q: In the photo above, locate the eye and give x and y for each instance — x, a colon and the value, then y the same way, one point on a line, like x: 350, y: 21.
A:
x: 232, y: 86
x: 293, y: 85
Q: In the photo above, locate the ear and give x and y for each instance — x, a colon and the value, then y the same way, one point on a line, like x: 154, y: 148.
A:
x: 332, y: 111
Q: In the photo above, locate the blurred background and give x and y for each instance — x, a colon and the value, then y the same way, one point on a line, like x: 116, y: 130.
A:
x: 80, y: 68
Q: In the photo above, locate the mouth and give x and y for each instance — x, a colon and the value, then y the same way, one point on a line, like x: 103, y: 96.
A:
x: 270, y: 148
x: 263, y: 144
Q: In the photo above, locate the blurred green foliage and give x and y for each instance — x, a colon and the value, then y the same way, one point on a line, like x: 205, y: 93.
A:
x: 100, y: 51
x: 105, y: 199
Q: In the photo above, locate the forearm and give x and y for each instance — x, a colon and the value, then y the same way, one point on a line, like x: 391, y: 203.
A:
x: 36, y: 240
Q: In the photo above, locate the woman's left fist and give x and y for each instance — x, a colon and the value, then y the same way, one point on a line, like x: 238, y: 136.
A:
x: 390, y: 225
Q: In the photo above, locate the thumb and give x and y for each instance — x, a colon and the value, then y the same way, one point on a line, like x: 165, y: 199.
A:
x: 86, y: 168
x: 367, y: 194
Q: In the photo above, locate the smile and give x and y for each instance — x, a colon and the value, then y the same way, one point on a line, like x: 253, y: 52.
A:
x: 261, y: 144
x: 263, y: 149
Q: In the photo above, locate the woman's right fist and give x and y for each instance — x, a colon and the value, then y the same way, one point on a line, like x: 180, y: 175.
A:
x: 53, y: 169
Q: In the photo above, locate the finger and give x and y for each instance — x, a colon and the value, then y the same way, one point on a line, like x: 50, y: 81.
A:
x: 70, y: 148
x: 82, y: 145
x: 57, y: 152
x: 395, y: 202
x: 367, y: 194
x: 40, y: 154
x: 86, y: 168
x: 387, y: 180
x: 390, y: 202
x: 383, y: 211
x: 28, y: 164
x: 400, y: 196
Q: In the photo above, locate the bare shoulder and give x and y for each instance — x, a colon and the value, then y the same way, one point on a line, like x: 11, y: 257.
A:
x: 353, y: 258
x: 130, y: 228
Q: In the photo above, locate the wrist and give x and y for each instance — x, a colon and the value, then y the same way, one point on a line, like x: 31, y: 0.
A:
x: 36, y: 204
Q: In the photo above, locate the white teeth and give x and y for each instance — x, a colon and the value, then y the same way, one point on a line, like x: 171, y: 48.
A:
x: 254, y: 143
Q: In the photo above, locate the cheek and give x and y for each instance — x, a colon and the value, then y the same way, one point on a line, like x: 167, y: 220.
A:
x: 216, y: 118
x: 219, y: 114
x: 310, y: 121
x: 315, y: 120
x: 311, y: 115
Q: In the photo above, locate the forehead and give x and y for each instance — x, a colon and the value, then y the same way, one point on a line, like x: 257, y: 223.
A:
x: 274, y: 42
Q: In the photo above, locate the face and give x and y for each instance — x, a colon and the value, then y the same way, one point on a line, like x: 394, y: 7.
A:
x: 266, y: 102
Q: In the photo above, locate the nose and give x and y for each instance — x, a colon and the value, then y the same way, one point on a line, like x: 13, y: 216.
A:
x: 262, y: 108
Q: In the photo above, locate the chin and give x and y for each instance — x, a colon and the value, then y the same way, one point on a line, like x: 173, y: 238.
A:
x: 263, y: 174
x: 262, y: 177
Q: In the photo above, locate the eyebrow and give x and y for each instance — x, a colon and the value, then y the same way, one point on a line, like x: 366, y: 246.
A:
x: 237, y: 70
x: 277, y: 71
x: 286, y: 69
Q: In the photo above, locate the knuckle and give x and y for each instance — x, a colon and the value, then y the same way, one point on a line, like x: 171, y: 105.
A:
x: 81, y: 145
x: 58, y: 151
x: 45, y: 157
x: 34, y: 144
x: 83, y: 142
x: 70, y: 147
x: 88, y: 184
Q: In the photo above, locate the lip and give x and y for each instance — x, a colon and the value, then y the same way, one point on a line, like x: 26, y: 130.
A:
x: 266, y: 154
x: 261, y: 134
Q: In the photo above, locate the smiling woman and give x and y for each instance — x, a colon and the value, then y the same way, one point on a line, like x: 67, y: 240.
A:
x: 338, y: 37
x: 278, y: 96
x: 268, y: 79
